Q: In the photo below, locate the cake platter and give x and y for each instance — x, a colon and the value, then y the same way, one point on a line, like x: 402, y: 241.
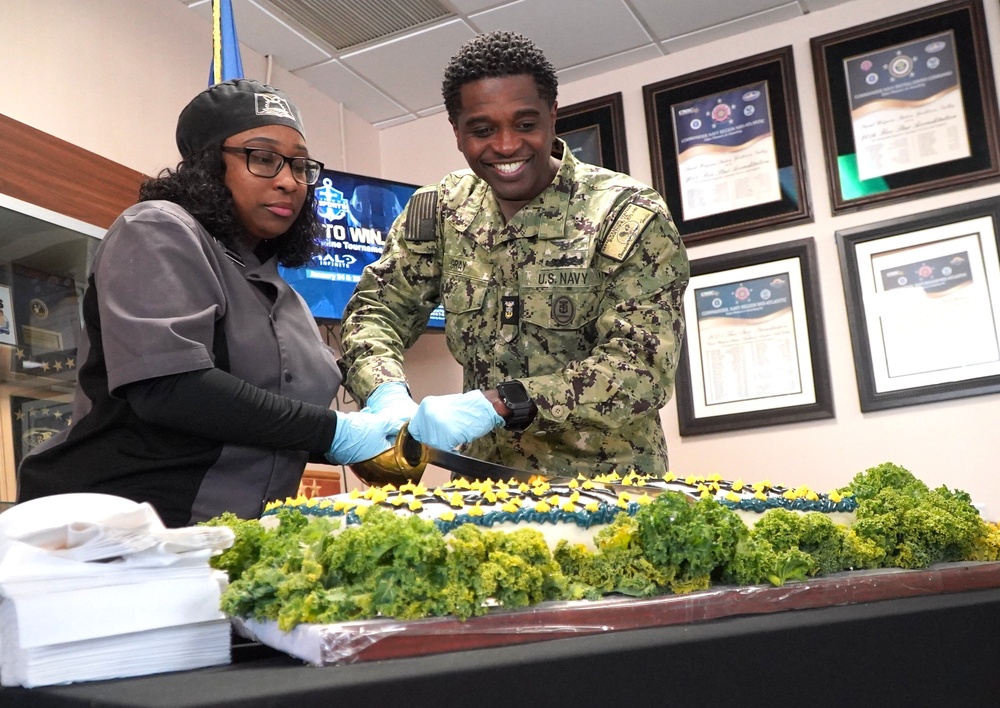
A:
x: 369, y: 640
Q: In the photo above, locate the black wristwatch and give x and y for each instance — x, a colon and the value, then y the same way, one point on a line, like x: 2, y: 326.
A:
x: 522, y: 408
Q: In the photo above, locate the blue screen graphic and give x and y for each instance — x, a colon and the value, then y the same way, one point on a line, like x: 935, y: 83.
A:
x: 355, y: 214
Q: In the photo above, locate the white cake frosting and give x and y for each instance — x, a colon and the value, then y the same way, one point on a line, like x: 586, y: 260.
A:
x: 570, y: 509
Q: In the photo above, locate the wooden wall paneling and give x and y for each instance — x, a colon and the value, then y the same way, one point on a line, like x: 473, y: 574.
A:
x: 41, y: 169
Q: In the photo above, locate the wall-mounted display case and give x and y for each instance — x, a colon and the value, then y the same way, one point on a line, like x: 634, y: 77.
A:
x: 56, y: 201
x: 44, y: 258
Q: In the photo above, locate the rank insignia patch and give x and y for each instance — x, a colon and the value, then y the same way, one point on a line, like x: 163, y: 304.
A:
x: 510, y: 310
x: 563, y: 310
x: 625, y: 231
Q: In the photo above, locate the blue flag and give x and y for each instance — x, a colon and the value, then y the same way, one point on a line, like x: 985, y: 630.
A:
x: 226, y: 62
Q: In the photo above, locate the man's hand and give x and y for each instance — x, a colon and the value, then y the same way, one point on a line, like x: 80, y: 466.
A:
x: 445, y: 422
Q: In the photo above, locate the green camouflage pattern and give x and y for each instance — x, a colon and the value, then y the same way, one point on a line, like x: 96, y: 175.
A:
x: 594, y: 338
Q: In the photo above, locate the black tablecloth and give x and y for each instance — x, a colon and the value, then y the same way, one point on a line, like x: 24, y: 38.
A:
x: 940, y: 650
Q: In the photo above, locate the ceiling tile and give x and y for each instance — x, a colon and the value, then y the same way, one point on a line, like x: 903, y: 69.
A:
x: 357, y: 95
x: 431, y: 111
x: 467, y: 7
x: 674, y: 19
x: 594, y: 29
x: 399, y: 79
x: 409, y: 68
x: 618, y: 61
x: 729, y: 29
x: 258, y: 27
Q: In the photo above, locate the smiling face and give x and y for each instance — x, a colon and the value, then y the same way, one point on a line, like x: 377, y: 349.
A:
x: 267, y: 206
x: 506, y: 130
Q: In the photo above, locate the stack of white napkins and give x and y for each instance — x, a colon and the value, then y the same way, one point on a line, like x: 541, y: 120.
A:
x: 94, y: 587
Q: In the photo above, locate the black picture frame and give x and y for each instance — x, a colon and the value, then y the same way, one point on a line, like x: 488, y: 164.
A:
x: 729, y: 334
x: 35, y: 420
x: 842, y: 57
x: 788, y: 200
x: 923, y: 304
x: 595, y: 131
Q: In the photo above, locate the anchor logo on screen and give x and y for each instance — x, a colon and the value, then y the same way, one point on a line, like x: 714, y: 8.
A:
x: 330, y: 203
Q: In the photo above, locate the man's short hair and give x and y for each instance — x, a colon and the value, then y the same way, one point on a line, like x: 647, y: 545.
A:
x: 494, y: 55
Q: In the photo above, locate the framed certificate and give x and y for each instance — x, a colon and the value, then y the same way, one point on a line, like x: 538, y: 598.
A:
x: 923, y: 303
x: 595, y: 131
x: 907, y: 105
x: 755, y: 351
x: 726, y: 150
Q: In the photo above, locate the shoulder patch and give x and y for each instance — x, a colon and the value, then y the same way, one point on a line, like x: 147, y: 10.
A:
x: 625, y: 230
x: 421, y: 217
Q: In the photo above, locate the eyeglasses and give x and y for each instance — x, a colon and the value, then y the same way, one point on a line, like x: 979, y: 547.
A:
x: 266, y: 163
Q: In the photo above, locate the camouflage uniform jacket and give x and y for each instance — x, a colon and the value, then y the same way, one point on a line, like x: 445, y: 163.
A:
x: 578, y: 297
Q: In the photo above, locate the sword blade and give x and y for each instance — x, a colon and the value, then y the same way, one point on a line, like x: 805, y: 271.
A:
x: 468, y: 467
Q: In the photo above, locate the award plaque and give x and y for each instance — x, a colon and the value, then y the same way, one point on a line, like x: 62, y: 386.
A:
x: 907, y: 105
x: 725, y: 148
x: 923, y: 303
x: 595, y: 131
x: 754, y: 351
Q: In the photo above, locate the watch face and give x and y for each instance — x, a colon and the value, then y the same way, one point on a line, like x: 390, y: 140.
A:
x: 513, y: 393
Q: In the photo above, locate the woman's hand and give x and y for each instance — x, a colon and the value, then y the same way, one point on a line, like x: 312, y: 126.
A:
x: 361, y: 436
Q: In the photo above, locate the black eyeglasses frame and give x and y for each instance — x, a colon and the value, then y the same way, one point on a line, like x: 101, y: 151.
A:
x: 304, y: 162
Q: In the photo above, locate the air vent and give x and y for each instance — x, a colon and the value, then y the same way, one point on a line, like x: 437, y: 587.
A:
x: 347, y: 23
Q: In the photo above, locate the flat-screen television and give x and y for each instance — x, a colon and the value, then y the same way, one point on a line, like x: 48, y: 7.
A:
x: 355, y: 213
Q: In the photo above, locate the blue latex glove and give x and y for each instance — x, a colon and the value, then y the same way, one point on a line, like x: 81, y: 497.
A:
x: 445, y: 422
x: 392, y: 399
x: 360, y: 436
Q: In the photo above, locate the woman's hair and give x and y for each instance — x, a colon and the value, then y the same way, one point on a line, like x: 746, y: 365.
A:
x: 495, y: 55
x: 197, y: 184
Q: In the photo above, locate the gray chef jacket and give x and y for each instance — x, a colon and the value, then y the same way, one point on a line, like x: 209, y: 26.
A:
x: 164, y: 297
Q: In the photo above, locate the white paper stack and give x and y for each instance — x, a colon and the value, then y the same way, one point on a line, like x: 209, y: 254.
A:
x: 95, y: 587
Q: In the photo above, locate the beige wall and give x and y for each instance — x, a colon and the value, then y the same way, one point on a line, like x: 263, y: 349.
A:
x: 111, y: 76
x: 950, y: 443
